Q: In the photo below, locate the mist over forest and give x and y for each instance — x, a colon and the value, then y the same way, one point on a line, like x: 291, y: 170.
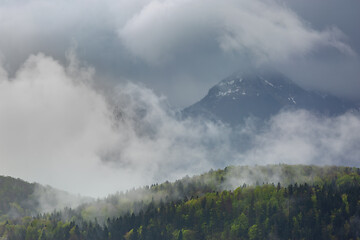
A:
x: 177, y: 119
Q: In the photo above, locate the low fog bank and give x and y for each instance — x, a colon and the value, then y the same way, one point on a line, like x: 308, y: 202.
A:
x: 48, y: 199
x: 57, y: 129
x: 302, y: 137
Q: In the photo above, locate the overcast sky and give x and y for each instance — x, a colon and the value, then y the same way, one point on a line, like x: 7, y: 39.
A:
x: 180, y: 48
x: 67, y: 65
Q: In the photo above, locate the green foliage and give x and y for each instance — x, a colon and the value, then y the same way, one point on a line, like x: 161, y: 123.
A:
x: 326, y: 207
x: 229, y: 178
x: 14, y: 194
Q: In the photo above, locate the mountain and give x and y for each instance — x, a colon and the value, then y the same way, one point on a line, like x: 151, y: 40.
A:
x: 261, y: 94
x: 14, y: 196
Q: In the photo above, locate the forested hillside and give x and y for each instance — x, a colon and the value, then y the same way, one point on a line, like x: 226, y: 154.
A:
x: 307, y: 202
x: 229, y: 178
x: 19, y: 198
x: 15, y: 195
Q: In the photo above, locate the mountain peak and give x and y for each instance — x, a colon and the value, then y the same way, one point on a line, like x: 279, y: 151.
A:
x: 261, y: 94
x: 255, y: 84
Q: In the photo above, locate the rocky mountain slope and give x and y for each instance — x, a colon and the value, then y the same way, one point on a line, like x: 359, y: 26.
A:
x: 261, y: 94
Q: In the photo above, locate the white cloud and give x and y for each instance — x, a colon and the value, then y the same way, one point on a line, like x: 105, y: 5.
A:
x: 158, y: 146
x: 301, y: 137
x: 160, y: 30
x: 56, y: 129
x: 52, y: 126
x: 263, y: 30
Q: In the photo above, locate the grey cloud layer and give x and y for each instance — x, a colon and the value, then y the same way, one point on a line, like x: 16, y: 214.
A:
x: 180, y: 44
